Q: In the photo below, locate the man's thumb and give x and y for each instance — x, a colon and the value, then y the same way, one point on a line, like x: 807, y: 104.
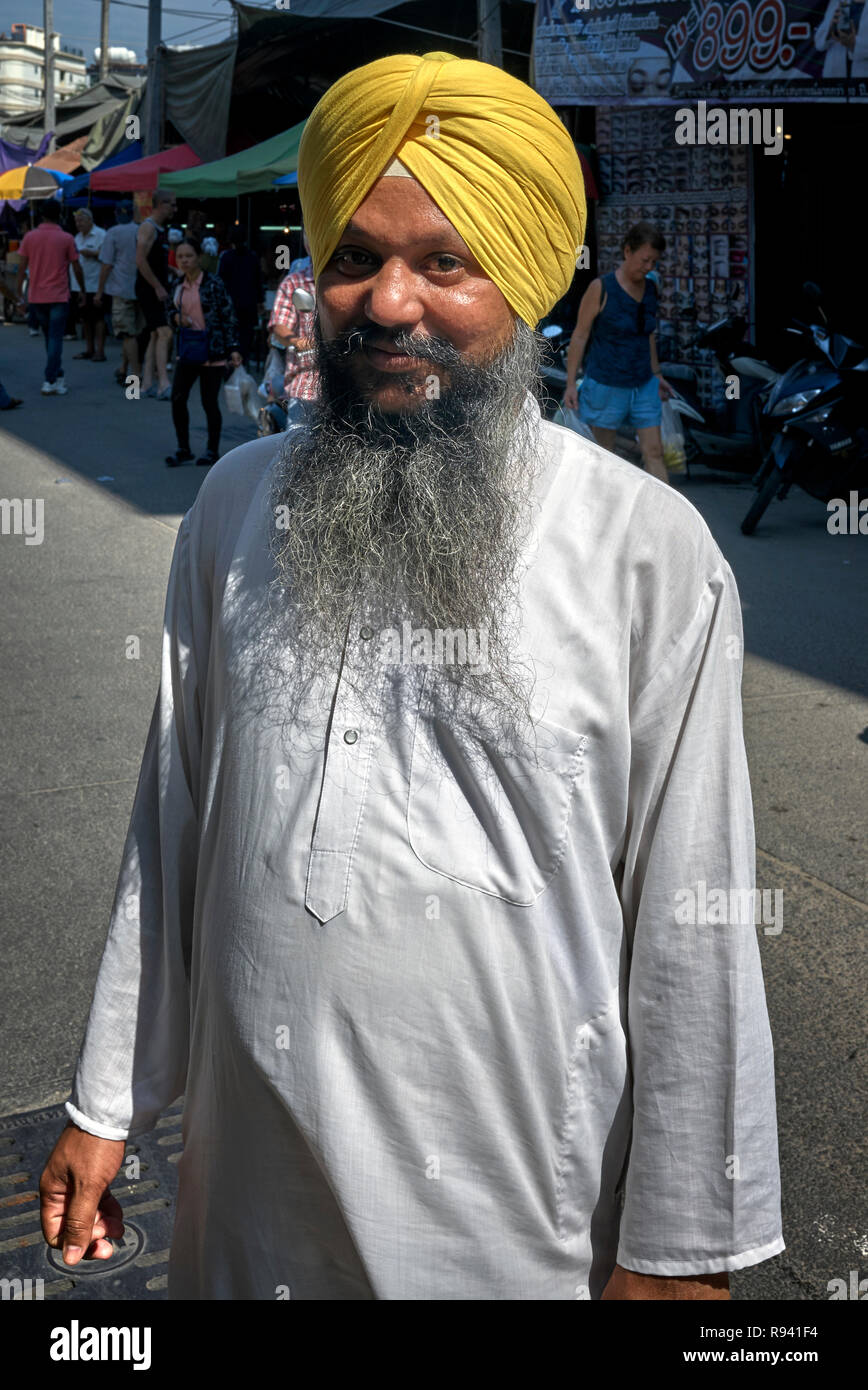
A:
x: 78, y: 1224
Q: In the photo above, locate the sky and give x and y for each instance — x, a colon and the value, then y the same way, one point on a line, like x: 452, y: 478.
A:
x: 78, y: 21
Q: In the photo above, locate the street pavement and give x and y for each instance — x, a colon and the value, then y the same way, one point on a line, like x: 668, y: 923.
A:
x: 76, y: 712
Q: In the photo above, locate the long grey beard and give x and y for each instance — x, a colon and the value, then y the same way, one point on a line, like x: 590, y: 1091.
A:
x: 427, y: 509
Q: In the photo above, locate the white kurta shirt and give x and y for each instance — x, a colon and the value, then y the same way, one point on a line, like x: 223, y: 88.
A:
x: 442, y: 1031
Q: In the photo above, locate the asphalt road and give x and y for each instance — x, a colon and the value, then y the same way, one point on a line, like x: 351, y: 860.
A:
x: 76, y: 711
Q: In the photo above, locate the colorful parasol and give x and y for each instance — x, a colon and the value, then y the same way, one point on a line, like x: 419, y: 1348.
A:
x: 30, y: 182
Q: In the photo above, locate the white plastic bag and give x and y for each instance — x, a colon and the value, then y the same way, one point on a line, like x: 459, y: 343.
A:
x: 271, y: 386
x: 239, y: 394
x: 674, y: 454
x: 572, y: 420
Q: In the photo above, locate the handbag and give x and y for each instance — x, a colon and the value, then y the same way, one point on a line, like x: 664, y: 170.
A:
x: 192, y: 345
x: 192, y: 342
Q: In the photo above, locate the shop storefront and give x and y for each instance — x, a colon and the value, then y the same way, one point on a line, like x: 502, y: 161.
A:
x: 709, y: 122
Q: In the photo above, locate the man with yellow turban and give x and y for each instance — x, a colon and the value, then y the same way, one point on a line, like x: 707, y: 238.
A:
x: 433, y: 899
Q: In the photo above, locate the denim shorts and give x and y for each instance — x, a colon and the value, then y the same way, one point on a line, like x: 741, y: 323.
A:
x: 610, y: 407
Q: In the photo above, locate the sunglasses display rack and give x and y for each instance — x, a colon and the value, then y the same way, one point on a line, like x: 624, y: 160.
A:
x: 698, y: 197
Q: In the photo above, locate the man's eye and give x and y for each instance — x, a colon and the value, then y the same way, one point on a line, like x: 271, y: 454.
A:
x: 350, y: 256
x: 452, y: 262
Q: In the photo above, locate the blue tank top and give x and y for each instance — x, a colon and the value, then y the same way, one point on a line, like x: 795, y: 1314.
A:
x: 620, y: 351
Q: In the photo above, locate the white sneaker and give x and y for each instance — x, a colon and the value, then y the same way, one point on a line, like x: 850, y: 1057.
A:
x: 55, y: 388
x: 34, y: 332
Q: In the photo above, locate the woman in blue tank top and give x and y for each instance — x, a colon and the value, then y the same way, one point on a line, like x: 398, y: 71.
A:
x: 622, y: 382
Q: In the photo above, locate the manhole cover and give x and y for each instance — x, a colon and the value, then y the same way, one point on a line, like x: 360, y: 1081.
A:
x: 125, y: 1250
x: 146, y: 1187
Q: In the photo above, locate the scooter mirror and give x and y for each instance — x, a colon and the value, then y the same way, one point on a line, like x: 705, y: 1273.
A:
x: 812, y: 291
x: 303, y: 300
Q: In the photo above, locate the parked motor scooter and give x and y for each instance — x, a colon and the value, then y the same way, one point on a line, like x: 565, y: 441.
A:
x: 813, y: 420
x: 553, y: 367
x: 728, y: 439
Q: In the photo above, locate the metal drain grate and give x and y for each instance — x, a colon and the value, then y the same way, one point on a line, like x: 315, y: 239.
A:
x: 146, y: 1187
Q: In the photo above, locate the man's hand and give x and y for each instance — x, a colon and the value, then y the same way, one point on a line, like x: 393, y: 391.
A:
x: 161, y: 293
x: 571, y: 397
x: 79, y: 1214
x: 97, y: 299
x: 82, y: 299
x: 627, y: 1284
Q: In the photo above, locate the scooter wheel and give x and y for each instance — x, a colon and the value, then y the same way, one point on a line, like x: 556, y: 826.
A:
x: 770, y: 487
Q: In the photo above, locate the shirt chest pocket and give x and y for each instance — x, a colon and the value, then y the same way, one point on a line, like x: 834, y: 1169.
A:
x: 490, y: 819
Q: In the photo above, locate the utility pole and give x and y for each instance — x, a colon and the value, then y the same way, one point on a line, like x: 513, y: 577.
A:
x: 103, y: 42
x: 48, y: 26
x: 154, y: 94
x: 490, y: 41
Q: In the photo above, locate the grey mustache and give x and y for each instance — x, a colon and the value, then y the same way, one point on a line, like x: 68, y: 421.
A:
x: 430, y: 349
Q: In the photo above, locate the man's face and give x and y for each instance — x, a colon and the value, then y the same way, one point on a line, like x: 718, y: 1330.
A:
x: 164, y: 211
x: 83, y: 223
x: 401, y: 268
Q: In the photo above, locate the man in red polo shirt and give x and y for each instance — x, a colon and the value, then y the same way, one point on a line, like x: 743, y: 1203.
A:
x: 48, y: 251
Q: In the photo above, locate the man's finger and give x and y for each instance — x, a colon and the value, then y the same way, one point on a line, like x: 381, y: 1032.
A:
x: 112, y: 1215
x: 78, y: 1224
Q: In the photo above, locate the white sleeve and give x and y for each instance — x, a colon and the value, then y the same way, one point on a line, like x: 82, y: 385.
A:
x: 133, y: 1059
x: 702, y: 1188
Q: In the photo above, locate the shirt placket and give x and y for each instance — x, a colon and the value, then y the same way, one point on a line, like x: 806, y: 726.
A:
x: 352, y: 736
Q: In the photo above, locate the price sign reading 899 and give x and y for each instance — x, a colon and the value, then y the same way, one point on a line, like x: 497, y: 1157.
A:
x: 740, y: 32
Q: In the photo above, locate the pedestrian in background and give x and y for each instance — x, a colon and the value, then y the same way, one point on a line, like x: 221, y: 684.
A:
x: 240, y: 273
x: 117, y: 278
x: 623, y: 384
x: 8, y: 402
x: 47, y: 253
x: 294, y: 329
x: 210, y: 254
x: 201, y: 313
x: 89, y: 239
x: 152, y: 291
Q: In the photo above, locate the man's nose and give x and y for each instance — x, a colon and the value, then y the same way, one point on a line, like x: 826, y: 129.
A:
x: 392, y: 297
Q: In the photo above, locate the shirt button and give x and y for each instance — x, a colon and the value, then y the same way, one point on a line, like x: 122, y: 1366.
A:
x: 366, y: 632
x: 351, y: 735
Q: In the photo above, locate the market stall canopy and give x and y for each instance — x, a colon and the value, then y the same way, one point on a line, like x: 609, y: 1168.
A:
x: 291, y: 51
x: 247, y: 172
x: 12, y: 157
x: 79, y: 184
x: 198, y: 88
x: 79, y: 113
x: 144, y: 175
x: 30, y: 182
x: 66, y: 158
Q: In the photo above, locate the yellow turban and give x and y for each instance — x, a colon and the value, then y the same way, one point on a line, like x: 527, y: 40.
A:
x: 487, y: 148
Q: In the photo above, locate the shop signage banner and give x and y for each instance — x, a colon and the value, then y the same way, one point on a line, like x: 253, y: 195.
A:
x: 598, y: 52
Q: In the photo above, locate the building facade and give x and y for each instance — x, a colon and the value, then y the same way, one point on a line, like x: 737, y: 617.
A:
x: 22, y: 70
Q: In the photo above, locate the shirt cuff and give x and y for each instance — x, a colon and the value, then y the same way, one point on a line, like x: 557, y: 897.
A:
x: 723, y: 1264
x: 94, y: 1126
